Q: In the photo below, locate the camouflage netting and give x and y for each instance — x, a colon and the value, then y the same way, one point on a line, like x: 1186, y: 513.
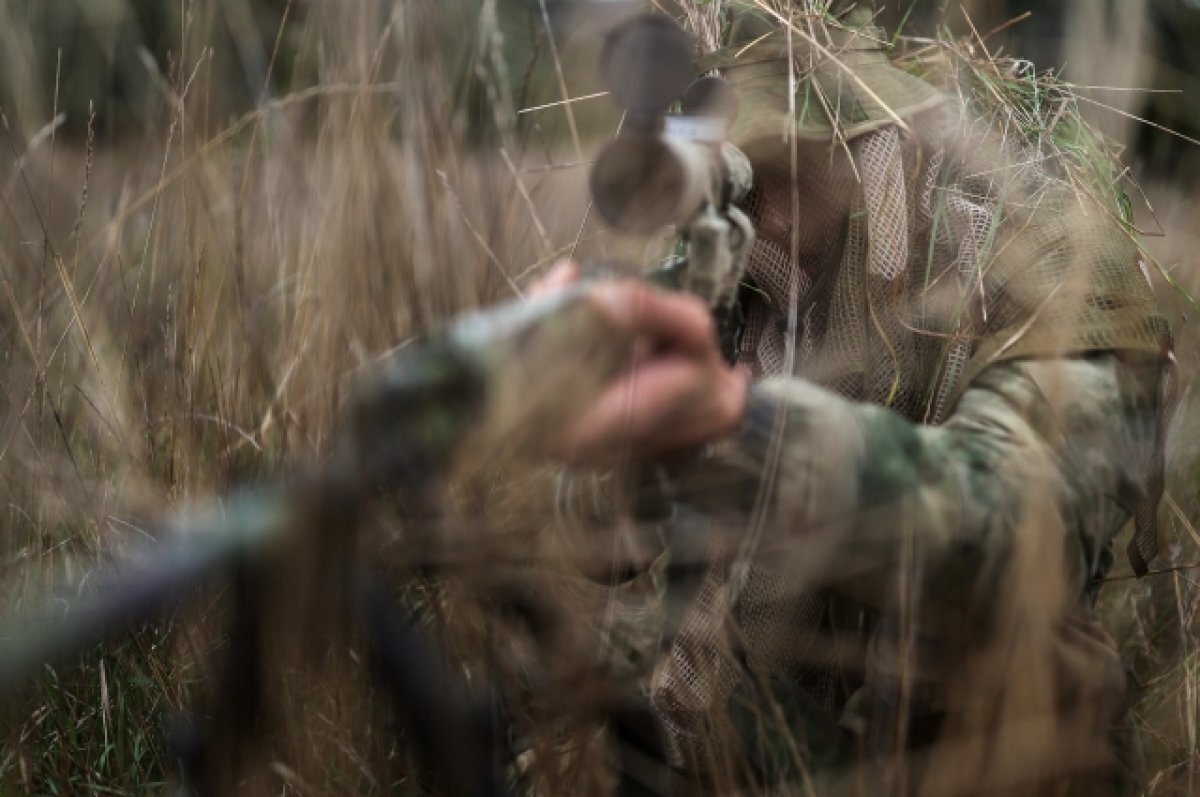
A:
x: 970, y: 240
x: 950, y: 263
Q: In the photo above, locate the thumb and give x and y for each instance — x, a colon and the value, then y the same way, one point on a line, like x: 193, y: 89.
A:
x: 564, y: 273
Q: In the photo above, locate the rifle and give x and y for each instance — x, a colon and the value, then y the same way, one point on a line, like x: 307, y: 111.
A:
x: 401, y: 432
x: 676, y: 169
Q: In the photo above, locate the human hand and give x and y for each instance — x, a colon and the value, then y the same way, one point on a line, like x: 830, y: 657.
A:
x: 678, y: 391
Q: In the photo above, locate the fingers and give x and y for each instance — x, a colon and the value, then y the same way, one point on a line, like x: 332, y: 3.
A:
x: 677, y: 391
x: 665, y: 404
x: 564, y: 273
x: 671, y: 319
x: 622, y: 421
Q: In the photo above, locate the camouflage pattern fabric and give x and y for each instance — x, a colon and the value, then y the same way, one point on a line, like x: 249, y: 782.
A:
x: 959, y: 408
x: 924, y: 536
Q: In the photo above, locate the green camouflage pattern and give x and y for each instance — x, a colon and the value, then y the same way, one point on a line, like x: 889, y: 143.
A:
x: 925, y: 531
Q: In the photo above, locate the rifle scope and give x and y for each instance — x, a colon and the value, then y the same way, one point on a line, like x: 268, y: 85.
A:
x: 663, y: 170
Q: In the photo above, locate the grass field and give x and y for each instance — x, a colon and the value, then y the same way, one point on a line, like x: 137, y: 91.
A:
x: 214, y: 217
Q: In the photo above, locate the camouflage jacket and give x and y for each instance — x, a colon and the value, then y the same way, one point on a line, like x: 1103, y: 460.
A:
x: 915, y: 588
x: 887, y: 591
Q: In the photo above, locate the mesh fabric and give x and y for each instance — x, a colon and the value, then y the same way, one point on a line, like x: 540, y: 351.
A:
x: 959, y: 251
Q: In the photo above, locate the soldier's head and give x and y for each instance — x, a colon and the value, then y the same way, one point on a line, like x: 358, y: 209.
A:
x: 807, y: 88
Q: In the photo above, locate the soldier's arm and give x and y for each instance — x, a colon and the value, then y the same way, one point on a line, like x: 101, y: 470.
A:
x: 1041, y: 462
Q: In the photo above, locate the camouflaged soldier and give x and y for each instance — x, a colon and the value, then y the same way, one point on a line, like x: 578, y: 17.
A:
x: 957, y: 406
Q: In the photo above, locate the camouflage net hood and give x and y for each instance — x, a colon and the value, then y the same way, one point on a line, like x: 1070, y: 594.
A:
x: 975, y: 234
x: 844, y: 84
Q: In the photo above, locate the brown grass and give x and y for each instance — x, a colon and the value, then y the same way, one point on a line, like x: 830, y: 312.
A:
x: 189, y: 290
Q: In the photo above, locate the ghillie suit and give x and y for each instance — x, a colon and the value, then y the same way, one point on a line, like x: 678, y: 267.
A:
x: 917, y: 526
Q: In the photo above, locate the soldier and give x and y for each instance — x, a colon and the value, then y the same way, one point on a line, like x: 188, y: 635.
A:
x: 955, y: 407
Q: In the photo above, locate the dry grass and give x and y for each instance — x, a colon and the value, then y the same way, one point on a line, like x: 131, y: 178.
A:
x: 188, y: 292
x: 186, y: 305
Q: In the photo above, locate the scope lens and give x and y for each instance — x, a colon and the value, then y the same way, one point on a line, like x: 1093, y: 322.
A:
x: 647, y: 63
x: 637, y: 184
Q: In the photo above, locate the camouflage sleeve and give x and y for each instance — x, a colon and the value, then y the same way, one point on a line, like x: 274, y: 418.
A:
x: 1041, y: 458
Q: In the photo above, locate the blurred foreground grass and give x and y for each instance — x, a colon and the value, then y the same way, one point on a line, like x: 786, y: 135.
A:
x: 213, y: 214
